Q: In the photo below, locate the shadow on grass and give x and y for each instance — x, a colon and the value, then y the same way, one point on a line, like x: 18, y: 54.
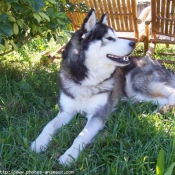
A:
x: 129, y: 143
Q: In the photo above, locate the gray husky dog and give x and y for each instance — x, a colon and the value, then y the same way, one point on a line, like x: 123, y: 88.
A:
x: 148, y: 80
x: 95, y: 73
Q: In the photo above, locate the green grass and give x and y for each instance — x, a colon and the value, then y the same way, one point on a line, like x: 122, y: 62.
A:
x: 128, y: 145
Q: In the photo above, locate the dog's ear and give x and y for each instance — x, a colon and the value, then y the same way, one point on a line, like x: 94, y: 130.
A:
x: 103, y: 19
x: 89, y: 21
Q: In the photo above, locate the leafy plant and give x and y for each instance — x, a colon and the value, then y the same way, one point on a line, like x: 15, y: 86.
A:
x: 161, y: 163
x: 22, y: 20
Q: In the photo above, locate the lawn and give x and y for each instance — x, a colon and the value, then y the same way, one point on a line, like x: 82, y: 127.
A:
x: 128, y: 145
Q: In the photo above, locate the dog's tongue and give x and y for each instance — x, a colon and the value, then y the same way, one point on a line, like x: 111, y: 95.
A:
x: 113, y: 56
x: 120, y: 59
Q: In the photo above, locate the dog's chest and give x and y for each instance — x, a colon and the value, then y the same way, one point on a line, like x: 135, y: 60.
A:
x: 86, y: 99
x: 80, y: 91
x: 84, y: 104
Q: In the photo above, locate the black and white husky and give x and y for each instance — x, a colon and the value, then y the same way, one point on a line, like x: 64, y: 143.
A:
x: 92, y: 80
x: 87, y: 82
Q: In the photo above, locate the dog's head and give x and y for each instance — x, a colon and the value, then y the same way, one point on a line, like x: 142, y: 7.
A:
x: 95, y: 43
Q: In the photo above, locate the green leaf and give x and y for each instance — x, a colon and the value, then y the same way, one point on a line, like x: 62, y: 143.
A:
x: 39, y: 4
x: 11, y: 18
x: 48, y: 36
x: 5, y: 29
x: 31, y: 3
x: 2, y: 47
x: 44, y: 16
x: 15, y: 28
x: 60, y: 22
x: 54, y: 37
x: 6, y: 45
x: 9, y: 1
x: 23, y: 9
x: 52, y: 1
x: 170, y: 169
x: 160, y: 163
x: 14, y: 46
x: 53, y: 25
x: 50, y: 11
x: 3, y: 17
x: 20, y: 23
x: 61, y: 15
x: 37, y: 17
x: 8, y: 6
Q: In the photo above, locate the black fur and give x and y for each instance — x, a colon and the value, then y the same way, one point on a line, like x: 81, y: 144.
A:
x: 85, y: 20
x: 102, y: 18
x: 95, y: 34
x: 73, y: 58
x: 74, y: 53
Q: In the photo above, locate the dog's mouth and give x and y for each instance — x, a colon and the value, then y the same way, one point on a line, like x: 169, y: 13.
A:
x: 119, y: 59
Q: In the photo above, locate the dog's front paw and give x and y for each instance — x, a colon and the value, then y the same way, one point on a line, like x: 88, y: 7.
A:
x: 68, y: 157
x: 65, y: 160
x: 38, y: 145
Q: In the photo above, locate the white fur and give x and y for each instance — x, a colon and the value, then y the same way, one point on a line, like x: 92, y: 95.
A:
x: 91, y: 22
x: 84, y: 138
x: 160, y: 93
x: 105, y: 21
x: 99, y: 66
x: 87, y: 98
x: 119, y: 47
x: 85, y: 104
x: 91, y: 85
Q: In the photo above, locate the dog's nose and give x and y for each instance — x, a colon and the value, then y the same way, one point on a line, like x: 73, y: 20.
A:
x: 132, y: 43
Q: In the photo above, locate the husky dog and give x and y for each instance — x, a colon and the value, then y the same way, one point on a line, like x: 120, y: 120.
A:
x: 88, y: 83
x: 147, y: 80
x: 95, y: 73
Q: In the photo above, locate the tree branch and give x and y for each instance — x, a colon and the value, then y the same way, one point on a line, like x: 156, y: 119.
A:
x: 2, y: 54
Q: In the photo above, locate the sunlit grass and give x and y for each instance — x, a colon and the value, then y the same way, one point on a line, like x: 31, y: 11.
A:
x: 128, y: 145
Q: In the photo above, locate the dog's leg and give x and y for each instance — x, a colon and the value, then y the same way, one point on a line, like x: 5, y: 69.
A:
x: 93, y: 126
x: 171, y: 98
x: 40, y: 144
x: 164, y: 94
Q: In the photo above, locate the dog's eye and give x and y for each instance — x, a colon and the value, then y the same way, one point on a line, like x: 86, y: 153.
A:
x: 110, y: 38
